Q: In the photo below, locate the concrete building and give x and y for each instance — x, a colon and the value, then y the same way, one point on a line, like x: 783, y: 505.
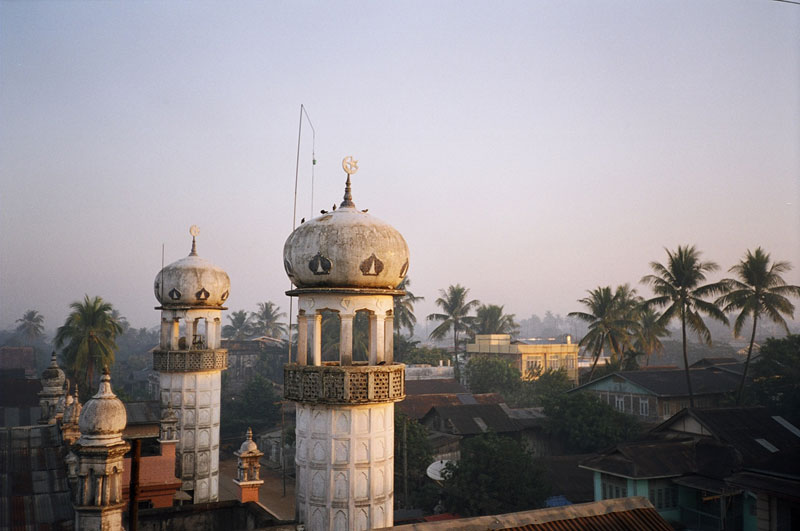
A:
x: 345, y: 261
x: 529, y: 356
x: 190, y: 361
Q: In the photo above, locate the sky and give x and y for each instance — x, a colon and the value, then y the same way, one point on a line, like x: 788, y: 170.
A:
x: 529, y: 151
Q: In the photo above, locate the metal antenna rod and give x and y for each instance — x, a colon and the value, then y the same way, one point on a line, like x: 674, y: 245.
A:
x: 294, y: 210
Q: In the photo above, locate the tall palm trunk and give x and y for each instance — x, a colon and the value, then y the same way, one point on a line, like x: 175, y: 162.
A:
x: 747, y: 361
x: 597, y: 352
x: 686, y: 356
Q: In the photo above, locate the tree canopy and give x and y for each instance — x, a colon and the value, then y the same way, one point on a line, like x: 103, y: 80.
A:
x: 584, y: 424
x: 776, y: 377
x: 487, y: 374
x: 494, y: 475
x: 88, y: 338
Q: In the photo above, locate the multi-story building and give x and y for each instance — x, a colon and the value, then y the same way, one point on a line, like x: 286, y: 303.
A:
x: 530, y: 357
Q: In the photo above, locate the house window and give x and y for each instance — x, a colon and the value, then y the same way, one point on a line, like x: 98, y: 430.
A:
x: 620, y: 403
x: 666, y: 409
x: 664, y: 496
x: 554, y: 363
x: 613, y: 487
x: 644, y: 407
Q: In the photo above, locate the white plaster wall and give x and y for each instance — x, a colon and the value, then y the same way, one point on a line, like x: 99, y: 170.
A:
x: 345, y: 466
x: 195, y: 397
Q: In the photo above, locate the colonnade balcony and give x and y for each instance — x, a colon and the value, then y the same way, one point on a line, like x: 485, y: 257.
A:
x: 343, y: 380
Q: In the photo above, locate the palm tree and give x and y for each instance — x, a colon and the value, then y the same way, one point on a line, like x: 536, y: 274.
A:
x: 265, y: 320
x: 609, y: 321
x: 240, y: 327
x: 679, y: 287
x: 88, y: 338
x: 31, y: 325
x: 649, y: 333
x: 404, y: 308
x: 490, y: 319
x: 455, y: 316
x: 758, y: 290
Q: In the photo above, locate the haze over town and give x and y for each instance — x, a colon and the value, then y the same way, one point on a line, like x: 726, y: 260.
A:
x: 528, y: 151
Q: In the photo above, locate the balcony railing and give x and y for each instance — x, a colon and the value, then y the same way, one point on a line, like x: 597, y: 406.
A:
x: 350, y: 384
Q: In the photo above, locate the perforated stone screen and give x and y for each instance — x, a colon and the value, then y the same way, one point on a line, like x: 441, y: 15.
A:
x: 344, y: 385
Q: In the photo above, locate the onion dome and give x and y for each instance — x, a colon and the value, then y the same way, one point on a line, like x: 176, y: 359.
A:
x: 103, y: 417
x: 248, y: 446
x: 192, y: 282
x: 346, y: 248
x: 53, y: 376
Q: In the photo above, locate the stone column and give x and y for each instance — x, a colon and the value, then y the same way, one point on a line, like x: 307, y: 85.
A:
x: 302, y: 339
x: 376, y: 343
x: 175, y: 335
x: 388, y: 335
x: 316, y: 342
x: 346, y: 339
x: 188, y: 332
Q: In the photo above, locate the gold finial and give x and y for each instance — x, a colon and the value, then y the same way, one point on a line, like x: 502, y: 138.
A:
x: 350, y: 166
x: 194, y: 230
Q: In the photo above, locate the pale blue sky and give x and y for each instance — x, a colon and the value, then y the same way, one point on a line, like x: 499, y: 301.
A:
x: 527, y: 150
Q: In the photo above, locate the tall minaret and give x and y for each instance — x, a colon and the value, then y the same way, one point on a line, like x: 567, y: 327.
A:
x: 100, y: 450
x: 190, y: 362
x: 345, y: 261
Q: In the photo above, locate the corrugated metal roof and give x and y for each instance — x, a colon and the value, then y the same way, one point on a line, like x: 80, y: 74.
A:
x: 672, y: 382
x: 434, y: 387
x: 34, y: 492
x: 623, y: 514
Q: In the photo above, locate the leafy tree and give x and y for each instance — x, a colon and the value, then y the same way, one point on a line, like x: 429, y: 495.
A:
x: 776, y: 377
x: 265, y: 321
x: 609, y: 321
x: 491, y: 320
x: 403, y: 347
x: 240, y: 327
x: 758, y: 290
x: 413, y: 454
x: 540, y: 387
x: 31, y: 325
x: 494, y: 475
x: 426, y: 355
x: 679, y: 286
x: 88, y: 338
x: 455, y: 315
x: 404, y: 308
x: 258, y: 407
x: 492, y: 375
x: 584, y: 424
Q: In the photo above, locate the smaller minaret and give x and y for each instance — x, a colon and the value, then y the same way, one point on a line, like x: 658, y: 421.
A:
x: 249, y: 468
x: 72, y: 413
x: 98, y: 498
x: 52, y: 392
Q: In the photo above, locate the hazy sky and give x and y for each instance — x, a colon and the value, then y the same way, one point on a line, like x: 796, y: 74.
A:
x: 527, y: 150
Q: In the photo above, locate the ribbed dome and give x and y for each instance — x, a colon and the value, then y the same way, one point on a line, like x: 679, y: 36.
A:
x: 103, y: 416
x: 53, y: 376
x: 192, y: 281
x: 248, y: 445
x: 346, y: 248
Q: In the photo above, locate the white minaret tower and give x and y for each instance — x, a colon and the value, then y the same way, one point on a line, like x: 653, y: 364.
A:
x: 190, y: 362
x: 345, y: 261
